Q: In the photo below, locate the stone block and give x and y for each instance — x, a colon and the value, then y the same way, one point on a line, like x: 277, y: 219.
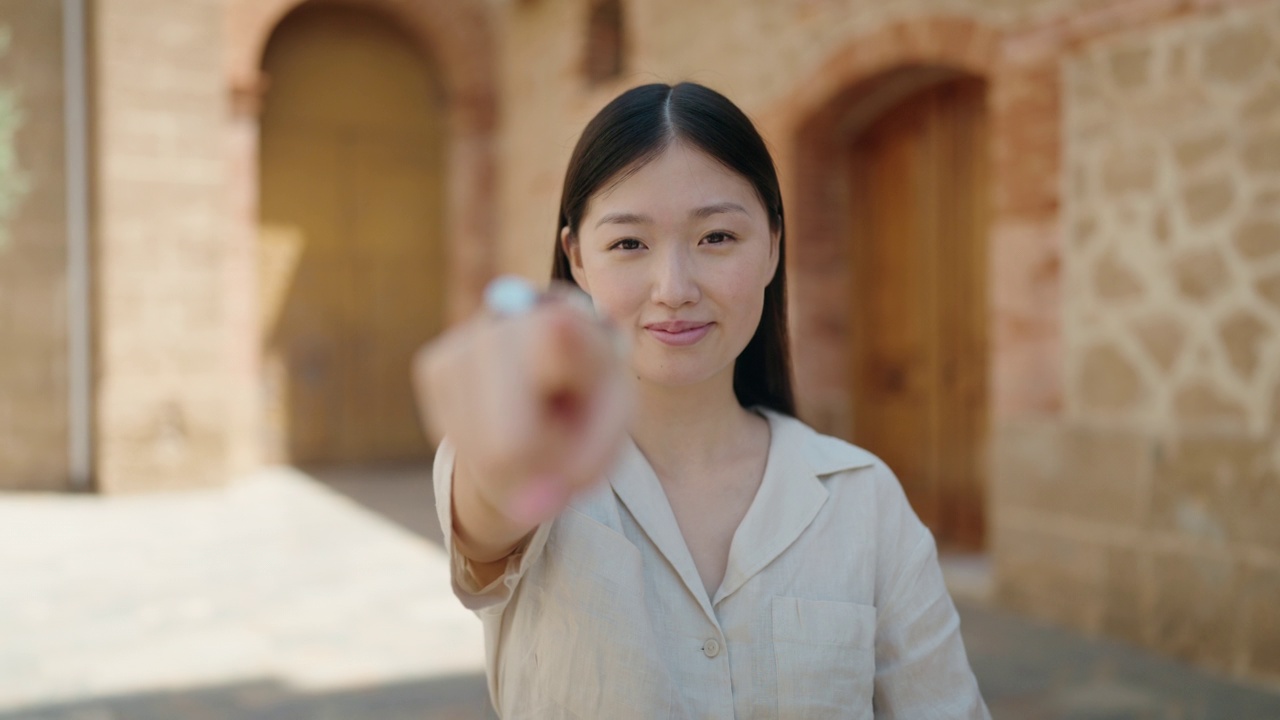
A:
x: 1243, y: 335
x: 1026, y: 464
x: 1261, y: 153
x: 1193, y: 607
x: 1107, y: 470
x: 1275, y: 409
x: 1050, y: 577
x: 1075, y: 472
x: 1266, y: 199
x: 1130, y: 169
x: 1201, y: 274
x: 1219, y: 490
x: 1235, y: 54
x: 1115, y: 281
x: 1265, y: 104
x: 1195, y: 151
x: 1108, y: 381
x: 1162, y: 335
x: 1131, y: 67
x: 1259, y: 614
x: 1084, y: 230
x: 1200, y: 403
x: 1160, y: 229
x: 1208, y: 200
x: 1125, y: 603
x: 1268, y: 287
x: 1257, y: 239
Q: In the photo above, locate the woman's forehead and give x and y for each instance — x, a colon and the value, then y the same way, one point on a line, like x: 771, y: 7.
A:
x: 681, y: 180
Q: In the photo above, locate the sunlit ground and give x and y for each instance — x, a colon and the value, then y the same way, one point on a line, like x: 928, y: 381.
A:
x: 274, y: 592
x: 325, y: 596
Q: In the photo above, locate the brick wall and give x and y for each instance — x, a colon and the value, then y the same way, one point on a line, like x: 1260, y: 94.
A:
x: 33, y: 253
x: 160, y: 201
x: 1125, y: 498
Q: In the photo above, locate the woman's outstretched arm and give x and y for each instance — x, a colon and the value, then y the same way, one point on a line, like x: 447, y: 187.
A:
x: 535, y: 406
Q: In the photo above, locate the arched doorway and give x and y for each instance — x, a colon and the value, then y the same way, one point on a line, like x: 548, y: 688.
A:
x: 917, y: 232
x: 352, y: 166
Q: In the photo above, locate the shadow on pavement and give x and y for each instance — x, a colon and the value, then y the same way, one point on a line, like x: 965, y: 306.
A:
x: 460, y: 697
x: 400, y: 493
x: 1030, y: 671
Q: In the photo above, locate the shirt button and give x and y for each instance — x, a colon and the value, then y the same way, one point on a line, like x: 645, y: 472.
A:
x: 711, y: 648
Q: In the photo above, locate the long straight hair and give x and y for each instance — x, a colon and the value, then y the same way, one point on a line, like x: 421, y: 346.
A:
x: 635, y: 128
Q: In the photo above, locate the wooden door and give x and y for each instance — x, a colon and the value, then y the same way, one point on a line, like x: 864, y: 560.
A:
x: 351, y: 208
x: 919, y: 202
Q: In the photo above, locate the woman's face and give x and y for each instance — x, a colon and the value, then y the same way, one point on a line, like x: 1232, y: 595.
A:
x: 678, y: 255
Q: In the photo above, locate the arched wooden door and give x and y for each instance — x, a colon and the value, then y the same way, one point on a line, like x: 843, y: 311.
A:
x: 352, y: 152
x: 918, y: 214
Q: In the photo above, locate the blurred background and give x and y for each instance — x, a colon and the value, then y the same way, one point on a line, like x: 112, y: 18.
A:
x: 1034, y: 264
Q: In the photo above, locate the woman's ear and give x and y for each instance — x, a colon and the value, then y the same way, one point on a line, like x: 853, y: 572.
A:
x: 775, y: 252
x: 569, y: 243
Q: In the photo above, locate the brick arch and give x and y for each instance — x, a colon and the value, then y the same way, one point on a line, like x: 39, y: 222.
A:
x: 456, y: 36
x: 863, y: 77
x: 952, y: 42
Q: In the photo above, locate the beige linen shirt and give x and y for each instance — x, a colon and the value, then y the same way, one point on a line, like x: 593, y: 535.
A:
x: 832, y: 604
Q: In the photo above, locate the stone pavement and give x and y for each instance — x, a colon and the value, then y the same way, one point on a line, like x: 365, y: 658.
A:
x: 290, y: 596
x: 273, y: 598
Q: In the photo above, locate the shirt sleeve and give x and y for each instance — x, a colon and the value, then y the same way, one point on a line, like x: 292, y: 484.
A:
x: 922, y: 670
x: 493, y: 597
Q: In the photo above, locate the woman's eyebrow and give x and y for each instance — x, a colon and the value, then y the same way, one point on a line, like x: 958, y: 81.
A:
x: 630, y: 218
x: 724, y: 207
x: 623, y: 218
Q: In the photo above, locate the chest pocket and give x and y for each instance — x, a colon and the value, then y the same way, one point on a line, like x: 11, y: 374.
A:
x: 824, y: 652
x: 594, y: 654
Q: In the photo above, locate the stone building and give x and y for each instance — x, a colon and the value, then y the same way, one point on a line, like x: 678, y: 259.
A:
x: 1034, y: 252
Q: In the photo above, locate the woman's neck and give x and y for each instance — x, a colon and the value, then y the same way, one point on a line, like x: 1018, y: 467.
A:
x: 684, y: 429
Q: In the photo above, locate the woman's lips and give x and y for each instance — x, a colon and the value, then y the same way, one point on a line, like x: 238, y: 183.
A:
x: 679, y: 333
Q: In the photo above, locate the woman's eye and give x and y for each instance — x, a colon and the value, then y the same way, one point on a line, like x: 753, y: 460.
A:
x: 718, y: 238
x: 626, y: 244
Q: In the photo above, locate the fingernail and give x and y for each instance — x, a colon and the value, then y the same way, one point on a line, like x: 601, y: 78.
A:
x: 537, y: 501
x: 510, y: 295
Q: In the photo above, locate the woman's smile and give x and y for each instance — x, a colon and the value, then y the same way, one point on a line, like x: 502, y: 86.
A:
x: 679, y: 333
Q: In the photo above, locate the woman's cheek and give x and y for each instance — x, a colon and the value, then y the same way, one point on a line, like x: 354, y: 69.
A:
x: 623, y: 297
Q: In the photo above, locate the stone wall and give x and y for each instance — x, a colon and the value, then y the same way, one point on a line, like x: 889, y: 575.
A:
x: 33, y: 251
x: 1135, y: 355
x: 1157, y: 493
x: 161, y: 201
x: 757, y: 52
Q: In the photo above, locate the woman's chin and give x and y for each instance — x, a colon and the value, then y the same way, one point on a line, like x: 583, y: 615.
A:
x: 679, y: 378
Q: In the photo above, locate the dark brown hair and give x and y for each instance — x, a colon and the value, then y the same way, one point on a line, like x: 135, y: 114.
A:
x: 635, y: 128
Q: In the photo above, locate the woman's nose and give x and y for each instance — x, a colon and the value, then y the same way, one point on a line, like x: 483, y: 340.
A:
x: 676, y: 280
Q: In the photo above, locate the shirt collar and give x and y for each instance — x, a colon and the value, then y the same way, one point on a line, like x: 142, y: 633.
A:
x: 637, y: 486
x: 790, y: 496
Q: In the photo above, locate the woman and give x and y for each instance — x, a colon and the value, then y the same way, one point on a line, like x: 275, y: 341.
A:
x: 651, y: 533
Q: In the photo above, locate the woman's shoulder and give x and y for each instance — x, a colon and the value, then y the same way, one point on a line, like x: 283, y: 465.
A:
x: 840, y: 464
x: 825, y: 454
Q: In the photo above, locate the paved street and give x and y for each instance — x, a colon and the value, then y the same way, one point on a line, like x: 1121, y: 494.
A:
x: 276, y: 597
x: 297, y: 597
